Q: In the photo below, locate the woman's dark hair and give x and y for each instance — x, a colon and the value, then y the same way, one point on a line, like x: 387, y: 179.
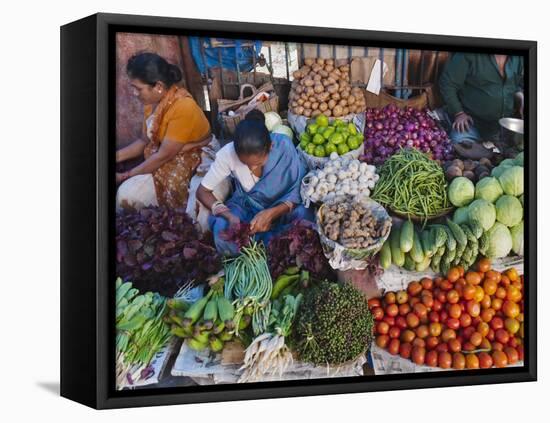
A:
x: 255, y: 114
x: 252, y: 136
x: 151, y: 68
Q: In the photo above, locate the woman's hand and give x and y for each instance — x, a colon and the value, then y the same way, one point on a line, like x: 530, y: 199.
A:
x: 262, y: 221
x: 462, y: 122
x: 232, y: 219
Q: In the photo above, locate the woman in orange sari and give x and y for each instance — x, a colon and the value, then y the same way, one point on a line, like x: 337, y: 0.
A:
x: 174, y: 131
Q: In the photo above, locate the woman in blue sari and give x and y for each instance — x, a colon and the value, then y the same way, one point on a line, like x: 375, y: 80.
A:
x: 266, y: 171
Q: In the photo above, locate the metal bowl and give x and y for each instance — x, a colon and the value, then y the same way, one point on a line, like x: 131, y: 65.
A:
x: 512, y: 124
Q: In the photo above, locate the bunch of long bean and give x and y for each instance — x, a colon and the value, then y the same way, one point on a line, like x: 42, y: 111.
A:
x: 248, y: 284
x: 413, y: 184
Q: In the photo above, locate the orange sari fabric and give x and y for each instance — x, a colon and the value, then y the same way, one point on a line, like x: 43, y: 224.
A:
x: 177, y: 118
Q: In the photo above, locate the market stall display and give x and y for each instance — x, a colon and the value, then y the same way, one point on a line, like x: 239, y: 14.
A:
x: 322, y: 87
x: 469, y: 319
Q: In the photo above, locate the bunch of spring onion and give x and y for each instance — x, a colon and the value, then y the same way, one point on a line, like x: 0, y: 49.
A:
x: 248, y: 285
x: 141, y: 332
x: 268, y: 353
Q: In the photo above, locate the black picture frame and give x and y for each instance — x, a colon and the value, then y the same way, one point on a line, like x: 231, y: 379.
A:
x: 87, y: 211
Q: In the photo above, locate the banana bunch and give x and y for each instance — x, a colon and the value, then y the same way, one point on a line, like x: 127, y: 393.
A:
x: 207, y: 323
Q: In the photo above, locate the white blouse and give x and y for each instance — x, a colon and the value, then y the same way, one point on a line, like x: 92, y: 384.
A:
x: 227, y: 163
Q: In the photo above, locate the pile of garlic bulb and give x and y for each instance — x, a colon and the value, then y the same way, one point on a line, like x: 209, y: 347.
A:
x: 340, y: 178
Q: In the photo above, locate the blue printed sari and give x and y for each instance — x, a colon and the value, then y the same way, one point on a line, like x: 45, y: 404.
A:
x: 280, y: 182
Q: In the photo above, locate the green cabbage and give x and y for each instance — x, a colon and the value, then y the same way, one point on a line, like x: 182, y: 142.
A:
x: 509, y: 210
x: 519, y: 159
x: 272, y: 119
x: 482, y: 212
x: 461, y: 191
x: 511, y: 181
x: 499, y: 170
x: 496, y: 242
x: 517, y: 238
x: 461, y: 215
x: 283, y: 129
x: 488, y: 189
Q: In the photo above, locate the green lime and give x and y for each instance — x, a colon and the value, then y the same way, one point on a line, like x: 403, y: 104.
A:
x: 328, y: 132
x: 318, y: 139
x: 352, y: 129
x: 312, y: 128
x: 320, y: 151
x: 330, y: 148
x: 304, y: 136
x: 353, y: 142
x: 310, y: 148
x: 343, y: 149
x: 336, y: 138
x: 322, y: 120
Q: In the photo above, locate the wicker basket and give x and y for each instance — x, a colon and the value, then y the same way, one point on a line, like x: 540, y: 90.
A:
x: 229, y: 123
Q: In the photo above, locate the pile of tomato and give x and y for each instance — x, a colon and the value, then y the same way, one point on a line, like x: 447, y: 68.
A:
x: 468, y: 320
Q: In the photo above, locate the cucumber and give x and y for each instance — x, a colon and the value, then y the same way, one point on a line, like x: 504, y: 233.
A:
x: 385, y: 255
x: 397, y: 256
x: 427, y: 243
x: 417, y: 254
x: 435, y: 263
x: 440, y: 236
x: 421, y: 267
x: 451, y: 241
x: 409, y: 265
x: 458, y: 233
x: 406, y: 236
x: 476, y: 228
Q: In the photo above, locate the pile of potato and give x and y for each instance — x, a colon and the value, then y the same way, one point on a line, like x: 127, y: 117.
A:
x: 321, y: 87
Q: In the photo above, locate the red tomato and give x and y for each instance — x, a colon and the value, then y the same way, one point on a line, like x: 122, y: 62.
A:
x: 377, y: 313
x: 500, y: 359
x: 454, y: 310
x: 394, y: 332
x: 435, y: 329
x: 446, y: 285
x: 374, y: 302
x: 389, y: 298
x: 431, y: 359
x: 502, y: 336
x: 468, y: 291
x: 483, y: 328
x: 401, y: 322
x: 485, y: 360
x: 484, y: 265
x: 382, y: 341
x: 485, y: 302
x: 427, y: 283
x: 420, y: 310
x: 467, y: 332
x: 444, y: 347
x: 428, y: 301
x: 452, y: 323
x: 437, y: 305
x: 490, y: 335
x: 520, y: 352
x: 443, y: 316
x: 432, y: 342
x: 512, y: 355
x: 476, y: 339
x: 413, y: 301
x: 382, y: 328
x: 433, y: 317
x: 444, y: 360
x: 419, y: 342
x: 447, y: 335
x: 392, y: 310
x: 418, y: 355
x: 412, y: 320
x: 404, y: 309
x: 465, y: 320
x: 401, y: 297
x: 473, y: 308
x: 487, y: 314
x: 407, y: 336
x: 454, y: 345
x: 414, y: 288
x: 389, y: 320
x: 393, y: 346
x: 459, y: 361
x: 422, y: 331
x: 468, y: 346
x: 452, y: 296
x: 405, y: 350
x: 472, y: 362
x: 497, y: 346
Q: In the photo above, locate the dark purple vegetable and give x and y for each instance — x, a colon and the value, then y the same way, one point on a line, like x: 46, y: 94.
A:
x: 389, y: 129
x: 238, y: 234
x: 160, y: 249
x: 298, y: 246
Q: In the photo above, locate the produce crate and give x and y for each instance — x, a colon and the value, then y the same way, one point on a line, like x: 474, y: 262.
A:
x: 208, y: 369
x: 385, y: 363
x: 396, y: 278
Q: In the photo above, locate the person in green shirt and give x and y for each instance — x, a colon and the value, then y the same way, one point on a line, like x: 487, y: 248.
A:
x: 478, y: 90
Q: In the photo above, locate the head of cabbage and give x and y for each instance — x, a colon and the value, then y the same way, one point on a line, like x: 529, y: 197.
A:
x: 509, y: 210
x: 461, y: 191
x: 482, y: 212
x: 488, y: 189
x: 511, y: 180
x: 461, y: 215
x: 517, y: 238
x: 496, y: 242
x: 283, y: 129
x: 272, y: 119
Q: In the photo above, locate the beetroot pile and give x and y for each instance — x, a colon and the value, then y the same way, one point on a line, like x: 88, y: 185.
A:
x: 389, y: 129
